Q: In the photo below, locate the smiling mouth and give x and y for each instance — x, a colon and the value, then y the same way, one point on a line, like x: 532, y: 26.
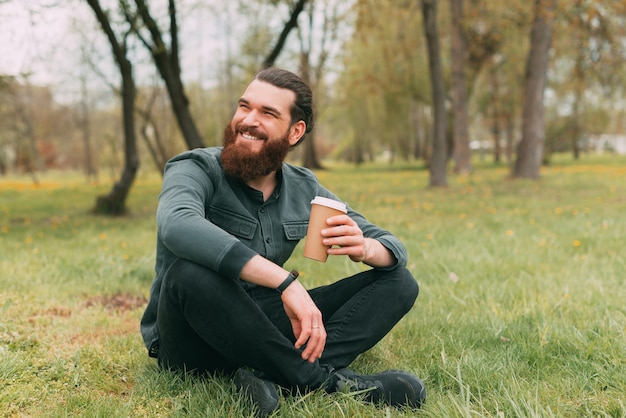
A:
x: 250, y: 137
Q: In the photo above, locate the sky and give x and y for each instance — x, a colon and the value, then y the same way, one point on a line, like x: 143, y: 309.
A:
x: 30, y: 39
x: 43, y: 38
x: 48, y: 39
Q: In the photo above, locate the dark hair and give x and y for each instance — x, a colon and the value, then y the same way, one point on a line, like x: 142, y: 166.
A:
x: 302, y: 108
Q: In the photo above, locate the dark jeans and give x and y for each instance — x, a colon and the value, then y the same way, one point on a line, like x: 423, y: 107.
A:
x: 208, y: 323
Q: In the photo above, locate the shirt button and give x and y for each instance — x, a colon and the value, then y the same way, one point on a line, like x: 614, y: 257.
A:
x: 267, y: 240
x: 262, y: 210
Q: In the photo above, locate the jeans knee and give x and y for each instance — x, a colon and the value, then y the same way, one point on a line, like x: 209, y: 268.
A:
x: 408, y: 286
x: 190, y: 280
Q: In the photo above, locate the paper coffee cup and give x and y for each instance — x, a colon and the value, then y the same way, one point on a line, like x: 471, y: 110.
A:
x: 322, y: 208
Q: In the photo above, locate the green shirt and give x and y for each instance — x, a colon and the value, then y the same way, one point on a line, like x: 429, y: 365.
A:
x: 219, y: 222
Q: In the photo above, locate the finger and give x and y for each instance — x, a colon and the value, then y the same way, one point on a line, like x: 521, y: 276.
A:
x: 302, y: 339
x: 315, y: 345
x: 344, y: 240
x: 340, y: 220
x: 297, y: 329
x: 321, y: 344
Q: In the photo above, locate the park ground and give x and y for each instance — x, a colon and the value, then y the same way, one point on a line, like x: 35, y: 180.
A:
x: 520, y: 312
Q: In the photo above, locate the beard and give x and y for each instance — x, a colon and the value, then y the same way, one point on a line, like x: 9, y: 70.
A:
x: 239, y: 162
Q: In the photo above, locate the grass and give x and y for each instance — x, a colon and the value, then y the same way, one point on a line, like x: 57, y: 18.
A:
x: 521, y: 308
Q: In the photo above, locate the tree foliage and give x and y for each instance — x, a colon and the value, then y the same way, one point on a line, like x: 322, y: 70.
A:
x: 367, y: 61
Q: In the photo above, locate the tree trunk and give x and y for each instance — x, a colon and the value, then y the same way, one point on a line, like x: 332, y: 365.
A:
x: 114, y: 203
x: 151, y: 134
x: 510, y: 134
x: 168, y: 65
x: 495, y: 123
x: 530, y: 149
x: 84, y: 124
x: 579, y: 93
x: 462, y: 152
x: 309, y: 158
x: 438, y: 162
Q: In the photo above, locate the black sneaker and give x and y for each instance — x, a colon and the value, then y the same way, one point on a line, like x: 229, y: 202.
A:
x: 391, y: 387
x: 260, y: 392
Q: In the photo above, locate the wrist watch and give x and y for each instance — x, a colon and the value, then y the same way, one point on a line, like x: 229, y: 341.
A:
x: 293, y: 275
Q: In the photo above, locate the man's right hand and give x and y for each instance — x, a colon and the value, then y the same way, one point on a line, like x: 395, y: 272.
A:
x: 305, y: 317
x: 306, y: 321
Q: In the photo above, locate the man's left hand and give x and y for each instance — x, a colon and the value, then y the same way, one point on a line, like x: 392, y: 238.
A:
x: 345, y: 237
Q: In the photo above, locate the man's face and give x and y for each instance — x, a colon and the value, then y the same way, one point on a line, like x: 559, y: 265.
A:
x: 260, y: 134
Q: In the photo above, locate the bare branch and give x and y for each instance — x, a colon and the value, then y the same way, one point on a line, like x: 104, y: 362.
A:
x: 292, y: 23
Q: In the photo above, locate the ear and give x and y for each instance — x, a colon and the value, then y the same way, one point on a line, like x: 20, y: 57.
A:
x: 296, y: 132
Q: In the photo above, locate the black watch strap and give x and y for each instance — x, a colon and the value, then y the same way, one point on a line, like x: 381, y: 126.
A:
x: 293, y: 275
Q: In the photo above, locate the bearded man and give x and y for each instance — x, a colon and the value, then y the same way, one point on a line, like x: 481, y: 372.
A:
x: 221, y: 302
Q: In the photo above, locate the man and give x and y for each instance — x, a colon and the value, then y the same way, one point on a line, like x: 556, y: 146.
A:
x: 228, y: 219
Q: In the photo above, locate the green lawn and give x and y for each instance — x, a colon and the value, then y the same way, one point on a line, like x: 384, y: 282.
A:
x: 521, y: 310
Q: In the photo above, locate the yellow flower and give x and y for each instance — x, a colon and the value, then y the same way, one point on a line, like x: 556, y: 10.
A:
x: 509, y: 233
x: 576, y: 243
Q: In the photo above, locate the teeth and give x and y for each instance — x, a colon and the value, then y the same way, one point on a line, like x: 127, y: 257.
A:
x: 246, y: 135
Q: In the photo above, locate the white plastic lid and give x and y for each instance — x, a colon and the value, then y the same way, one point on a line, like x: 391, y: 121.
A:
x: 324, y: 201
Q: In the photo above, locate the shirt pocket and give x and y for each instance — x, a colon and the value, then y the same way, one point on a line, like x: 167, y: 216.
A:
x: 295, y: 230
x: 236, y: 224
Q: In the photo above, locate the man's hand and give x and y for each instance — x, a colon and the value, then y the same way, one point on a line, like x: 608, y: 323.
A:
x: 346, y: 238
x: 306, y: 321
x: 305, y: 317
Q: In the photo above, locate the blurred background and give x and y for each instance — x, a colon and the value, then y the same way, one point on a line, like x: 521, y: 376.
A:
x: 107, y: 88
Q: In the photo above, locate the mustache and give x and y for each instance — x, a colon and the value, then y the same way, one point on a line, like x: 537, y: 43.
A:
x: 245, y: 129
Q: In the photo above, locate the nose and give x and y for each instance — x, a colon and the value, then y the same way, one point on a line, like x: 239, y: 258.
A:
x: 251, y: 118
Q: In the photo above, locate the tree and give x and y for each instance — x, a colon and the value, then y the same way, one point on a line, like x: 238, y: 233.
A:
x: 530, y: 148
x: 590, y: 61
x: 167, y: 61
x: 83, y: 122
x: 310, y: 159
x: 315, y: 36
x: 438, y: 163
x: 282, y: 38
x: 22, y: 122
x: 150, y: 129
x: 462, y: 152
x: 114, y: 203
x: 384, y: 94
